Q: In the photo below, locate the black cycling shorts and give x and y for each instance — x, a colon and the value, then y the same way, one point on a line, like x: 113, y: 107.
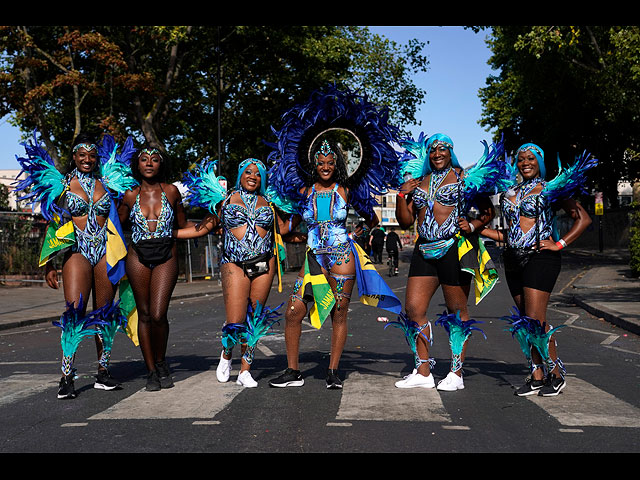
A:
x: 540, y: 273
x: 446, y: 268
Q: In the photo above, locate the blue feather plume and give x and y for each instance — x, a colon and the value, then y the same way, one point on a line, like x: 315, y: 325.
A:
x: 519, y: 328
x: 203, y: 186
x: 114, y: 321
x: 43, y: 183
x: 491, y: 174
x: 412, y: 330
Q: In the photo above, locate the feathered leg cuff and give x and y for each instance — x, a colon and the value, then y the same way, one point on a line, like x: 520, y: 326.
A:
x: 459, y: 331
x: 412, y: 330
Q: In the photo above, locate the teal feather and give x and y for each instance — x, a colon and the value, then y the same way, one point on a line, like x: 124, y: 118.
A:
x: 114, y: 321
x: 519, y: 328
x: 76, y: 326
x: 203, y: 186
x: 414, y: 159
x: 412, y: 330
x: 459, y: 331
x: 115, y: 167
x: 259, y: 322
x: 285, y: 204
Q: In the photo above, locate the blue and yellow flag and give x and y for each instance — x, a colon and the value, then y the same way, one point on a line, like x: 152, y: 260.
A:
x: 372, y: 288
x: 279, y: 249
x: 475, y: 259
x: 316, y: 288
x: 116, y: 246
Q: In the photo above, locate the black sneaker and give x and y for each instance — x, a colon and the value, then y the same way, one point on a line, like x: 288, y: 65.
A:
x: 66, y: 389
x: 531, y: 387
x: 164, y: 374
x: 552, y: 387
x: 290, y: 378
x: 333, y: 382
x: 153, y: 382
x: 104, y: 381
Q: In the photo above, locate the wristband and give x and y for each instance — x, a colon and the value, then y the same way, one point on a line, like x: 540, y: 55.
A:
x: 561, y: 243
x: 401, y: 195
x: 471, y: 226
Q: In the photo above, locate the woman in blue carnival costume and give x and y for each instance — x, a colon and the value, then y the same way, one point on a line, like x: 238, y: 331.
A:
x: 310, y: 175
x: 252, y: 254
x: 438, y: 193
x: 532, y: 258
x: 152, y: 209
x: 85, y: 228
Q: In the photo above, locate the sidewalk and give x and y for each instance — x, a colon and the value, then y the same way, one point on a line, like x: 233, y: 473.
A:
x: 609, y: 291
x: 606, y: 290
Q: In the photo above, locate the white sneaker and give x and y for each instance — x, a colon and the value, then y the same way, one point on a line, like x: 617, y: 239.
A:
x: 451, y: 383
x: 416, y: 380
x: 246, y: 380
x: 224, y: 369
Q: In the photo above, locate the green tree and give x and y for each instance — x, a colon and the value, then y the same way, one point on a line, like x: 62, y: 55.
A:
x: 569, y: 89
x: 160, y: 84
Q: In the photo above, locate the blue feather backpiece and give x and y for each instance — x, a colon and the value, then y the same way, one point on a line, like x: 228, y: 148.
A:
x: 490, y: 175
x: 335, y: 108
x: 414, y: 158
x: 43, y: 182
x: 459, y: 331
x: 571, y: 180
x: 203, y: 186
x: 115, y: 167
x: 76, y: 326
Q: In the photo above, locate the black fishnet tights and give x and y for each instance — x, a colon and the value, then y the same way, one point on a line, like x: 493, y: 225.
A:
x: 152, y: 289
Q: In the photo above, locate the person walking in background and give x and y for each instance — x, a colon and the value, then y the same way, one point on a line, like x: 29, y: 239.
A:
x: 376, y: 242
x: 393, y: 245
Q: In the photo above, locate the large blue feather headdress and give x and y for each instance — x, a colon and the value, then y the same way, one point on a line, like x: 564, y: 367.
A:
x: 261, y: 168
x: 537, y: 152
x: 334, y: 108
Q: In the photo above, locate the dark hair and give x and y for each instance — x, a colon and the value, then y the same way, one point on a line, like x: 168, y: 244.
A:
x: 340, y: 175
x: 81, y: 138
x: 164, y: 167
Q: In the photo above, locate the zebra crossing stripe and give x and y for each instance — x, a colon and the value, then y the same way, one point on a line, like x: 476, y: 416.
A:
x: 581, y: 404
x: 199, y: 396
x: 375, y: 397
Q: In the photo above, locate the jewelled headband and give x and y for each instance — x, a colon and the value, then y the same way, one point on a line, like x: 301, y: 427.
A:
x: 325, y: 149
x: 438, y: 143
x: 87, y: 146
x: 150, y: 152
x: 531, y: 148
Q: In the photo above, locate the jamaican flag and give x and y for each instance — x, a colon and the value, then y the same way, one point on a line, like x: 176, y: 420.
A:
x: 128, y: 309
x: 58, y: 237
x: 373, y: 290
x: 475, y: 259
x: 278, y: 249
x: 316, y: 288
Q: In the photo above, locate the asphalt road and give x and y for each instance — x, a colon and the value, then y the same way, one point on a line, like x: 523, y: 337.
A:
x: 599, y: 410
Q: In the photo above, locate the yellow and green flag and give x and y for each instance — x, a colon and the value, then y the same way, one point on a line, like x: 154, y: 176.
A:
x: 128, y: 309
x: 279, y: 250
x: 58, y: 237
x: 316, y: 288
x: 475, y: 259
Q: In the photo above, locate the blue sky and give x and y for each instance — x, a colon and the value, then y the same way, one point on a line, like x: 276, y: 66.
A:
x: 458, y: 68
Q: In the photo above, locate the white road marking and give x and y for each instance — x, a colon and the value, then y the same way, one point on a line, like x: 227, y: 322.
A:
x: 199, y: 396
x: 15, y: 387
x: 581, y: 404
x: 375, y: 397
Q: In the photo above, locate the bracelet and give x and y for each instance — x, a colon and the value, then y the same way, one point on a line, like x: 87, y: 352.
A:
x: 561, y: 243
x: 401, y: 195
x: 472, y: 227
